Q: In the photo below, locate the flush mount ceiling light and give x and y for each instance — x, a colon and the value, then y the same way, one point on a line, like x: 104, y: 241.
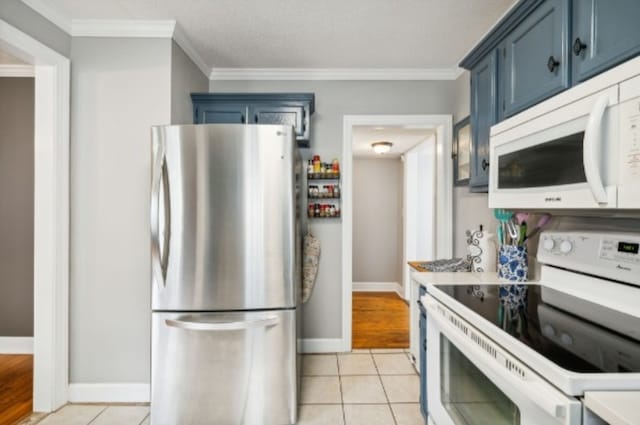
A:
x: 381, y: 147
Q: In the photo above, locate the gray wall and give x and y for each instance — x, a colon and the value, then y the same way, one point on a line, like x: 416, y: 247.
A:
x: 16, y: 208
x: 120, y: 88
x: 334, y: 100
x: 470, y: 210
x: 377, y: 220
x: 21, y: 16
x: 186, y: 78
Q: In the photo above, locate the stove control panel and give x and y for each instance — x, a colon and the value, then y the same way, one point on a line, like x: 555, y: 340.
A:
x: 608, y: 255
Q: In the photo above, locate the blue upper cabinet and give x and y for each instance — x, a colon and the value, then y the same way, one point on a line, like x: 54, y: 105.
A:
x: 483, y: 116
x: 605, y: 33
x: 536, y: 58
x: 293, y: 109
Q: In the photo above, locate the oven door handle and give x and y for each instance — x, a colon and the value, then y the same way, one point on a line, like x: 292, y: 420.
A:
x: 592, y: 147
x: 552, y: 402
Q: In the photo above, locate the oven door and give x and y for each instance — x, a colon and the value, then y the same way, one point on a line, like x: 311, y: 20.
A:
x: 565, y: 157
x: 472, y: 381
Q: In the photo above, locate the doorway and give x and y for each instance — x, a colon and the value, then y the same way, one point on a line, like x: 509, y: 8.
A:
x: 436, y: 130
x: 386, y: 220
x: 16, y: 227
x: 50, y: 215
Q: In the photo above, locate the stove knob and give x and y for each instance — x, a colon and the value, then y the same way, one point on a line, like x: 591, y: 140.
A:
x: 566, y: 339
x: 566, y: 247
x: 548, y: 244
x: 549, y: 331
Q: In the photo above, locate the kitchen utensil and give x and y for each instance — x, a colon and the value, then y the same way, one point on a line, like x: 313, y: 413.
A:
x: 514, y: 232
x: 542, y: 221
x: 522, y: 217
x: 503, y: 216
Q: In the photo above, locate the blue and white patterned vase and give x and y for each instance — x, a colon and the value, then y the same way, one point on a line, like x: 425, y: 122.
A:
x: 512, y: 263
x: 513, y: 269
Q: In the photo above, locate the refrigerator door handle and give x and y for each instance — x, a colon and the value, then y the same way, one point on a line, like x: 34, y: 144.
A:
x: 160, y: 253
x: 222, y: 325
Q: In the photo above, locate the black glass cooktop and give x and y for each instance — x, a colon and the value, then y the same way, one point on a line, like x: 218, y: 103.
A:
x: 567, y: 330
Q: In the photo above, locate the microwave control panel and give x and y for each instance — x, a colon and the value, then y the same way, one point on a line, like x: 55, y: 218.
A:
x: 629, y: 188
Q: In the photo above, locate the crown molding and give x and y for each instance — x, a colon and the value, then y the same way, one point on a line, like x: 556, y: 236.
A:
x: 337, y: 74
x: 44, y: 8
x: 127, y: 28
x: 181, y: 40
x: 16, y: 70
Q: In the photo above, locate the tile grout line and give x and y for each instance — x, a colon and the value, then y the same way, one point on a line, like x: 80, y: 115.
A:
x: 100, y: 413
x: 375, y: 364
x: 344, y: 416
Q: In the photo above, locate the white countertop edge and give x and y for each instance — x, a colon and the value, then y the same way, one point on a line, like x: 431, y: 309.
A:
x: 615, y: 407
x: 459, y: 278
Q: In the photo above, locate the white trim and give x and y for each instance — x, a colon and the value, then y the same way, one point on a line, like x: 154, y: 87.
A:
x: 128, y: 28
x: 44, y: 8
x: 322, y: 345
x: 378, y: 287
x: 16, y: 345
x: 337, y: 74
x: 181, y: 39
x: 110, y: 393
x: 17, y: 70
x: 444, y: 187
x: 51, y: 217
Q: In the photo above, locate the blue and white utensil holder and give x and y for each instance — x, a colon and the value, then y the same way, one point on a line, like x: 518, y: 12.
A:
x: 512, y: 263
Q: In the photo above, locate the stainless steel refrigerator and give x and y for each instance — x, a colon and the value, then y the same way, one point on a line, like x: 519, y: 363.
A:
x: 226, y: 274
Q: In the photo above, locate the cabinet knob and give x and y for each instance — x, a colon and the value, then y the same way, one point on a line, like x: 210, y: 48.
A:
x: 485, y: 164
x: 552, y: 64
x: 578, y: 47
x: 255, y: 118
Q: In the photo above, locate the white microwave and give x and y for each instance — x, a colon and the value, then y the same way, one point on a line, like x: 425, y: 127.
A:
x: 577, y: 150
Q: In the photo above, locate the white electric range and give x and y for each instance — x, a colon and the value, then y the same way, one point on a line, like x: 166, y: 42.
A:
x: 530, y: 360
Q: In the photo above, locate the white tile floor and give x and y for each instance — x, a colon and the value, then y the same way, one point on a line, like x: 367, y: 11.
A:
x: 366, y: 387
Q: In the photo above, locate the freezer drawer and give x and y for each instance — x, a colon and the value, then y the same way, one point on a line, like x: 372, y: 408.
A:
x: 224, y: 368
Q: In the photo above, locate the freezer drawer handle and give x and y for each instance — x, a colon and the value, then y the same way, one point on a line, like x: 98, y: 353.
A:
x: 222, y: 326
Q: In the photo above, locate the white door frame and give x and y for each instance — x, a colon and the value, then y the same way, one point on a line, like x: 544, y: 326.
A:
x: 442, y: 124
x: 51, y: 216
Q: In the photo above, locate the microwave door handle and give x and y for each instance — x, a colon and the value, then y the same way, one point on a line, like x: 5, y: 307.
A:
x: 554, y: 405
x: 592, y: 147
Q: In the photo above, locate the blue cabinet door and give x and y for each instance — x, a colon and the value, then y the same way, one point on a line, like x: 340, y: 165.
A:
x: 220, y: 113
x: 484, y: 78
x: 605, y: 33
x: 535, y: 62
x: 281, y: 115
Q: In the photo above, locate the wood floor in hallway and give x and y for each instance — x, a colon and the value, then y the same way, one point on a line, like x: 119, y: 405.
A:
x: 16, y: 388
x: 380, y: 320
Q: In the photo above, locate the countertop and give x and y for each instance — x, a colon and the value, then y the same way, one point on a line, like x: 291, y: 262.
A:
x: 417, y: 265
x: 615, y: 407
x: 459, y: 278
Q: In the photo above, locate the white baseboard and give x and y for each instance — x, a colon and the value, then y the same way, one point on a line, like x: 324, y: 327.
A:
x: 321, y: 345
x: 16, y: 345
x: 378, y: 287
x: 109, y: 393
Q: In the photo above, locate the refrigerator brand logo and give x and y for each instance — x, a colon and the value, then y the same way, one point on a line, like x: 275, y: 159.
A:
x: 627, y: 269
x: 553, y: 199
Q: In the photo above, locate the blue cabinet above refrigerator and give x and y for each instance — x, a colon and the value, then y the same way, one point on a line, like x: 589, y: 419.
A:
x: 294, y: 109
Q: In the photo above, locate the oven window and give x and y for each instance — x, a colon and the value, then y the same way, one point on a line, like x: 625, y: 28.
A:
x: 468, y: 395
x: 548, y: 164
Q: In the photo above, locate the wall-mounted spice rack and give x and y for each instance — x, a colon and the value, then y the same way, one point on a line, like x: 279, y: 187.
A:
x: 323, y: 188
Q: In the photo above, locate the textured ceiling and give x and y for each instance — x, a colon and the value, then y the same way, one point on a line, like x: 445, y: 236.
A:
x: 314, y: 34
x: 402, y: 138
